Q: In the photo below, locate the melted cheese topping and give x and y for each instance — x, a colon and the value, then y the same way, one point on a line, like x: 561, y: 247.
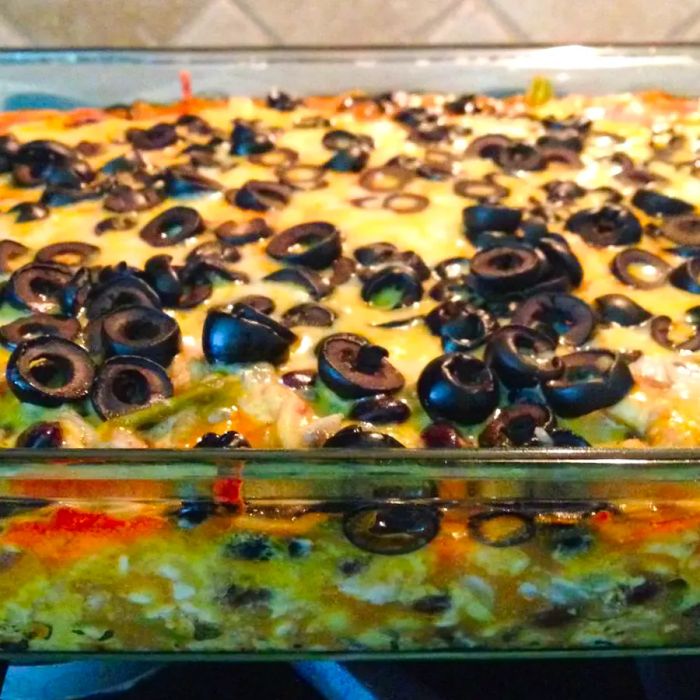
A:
x: 659, y: 411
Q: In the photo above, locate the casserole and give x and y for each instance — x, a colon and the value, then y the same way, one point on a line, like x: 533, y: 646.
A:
x: 162, y: 551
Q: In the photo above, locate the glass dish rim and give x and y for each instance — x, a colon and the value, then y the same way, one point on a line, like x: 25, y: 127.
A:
x: 537, y: 459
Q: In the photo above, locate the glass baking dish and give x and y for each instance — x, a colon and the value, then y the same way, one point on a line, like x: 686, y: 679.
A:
x: 368, y: 554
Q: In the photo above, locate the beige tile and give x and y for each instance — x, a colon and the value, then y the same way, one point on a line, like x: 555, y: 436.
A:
x: 343, y: 22
x: 471, y: 21
x: 221, y: 23
x: 596, y: 20
x: 10, y: 37
x: 100, y: 22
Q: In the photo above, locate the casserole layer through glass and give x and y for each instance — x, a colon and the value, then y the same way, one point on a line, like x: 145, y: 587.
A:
x: 301, y: 553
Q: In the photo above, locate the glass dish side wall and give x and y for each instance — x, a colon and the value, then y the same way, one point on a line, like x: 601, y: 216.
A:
x: 320, y: 555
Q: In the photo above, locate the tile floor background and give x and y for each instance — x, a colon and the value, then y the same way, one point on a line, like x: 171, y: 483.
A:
x: 341, y: 22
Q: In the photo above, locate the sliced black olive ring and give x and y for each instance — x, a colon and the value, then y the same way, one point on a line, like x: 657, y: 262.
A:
x: 308, y: 280
x: 9, y: 252
x: 561, y: 257
x: 35, y: 161
x: 352, y: 367
x: 568, y: 316
x: 592, y: 379
x: 28, y: 211
x: 388, y: 178
x: 243, y: 233
x: 172, y: 226
x: 244, y: 335
x: 36, y: 325
x: 246, y: 140
x: 70, y: 254
x: 467, y: 330
x: 38, y: 287
x: 459, y: 388
x: 302, y: 177
x: 687, y: 276
x: 406, y: 203
x: 315, y: 245
x: 231, y: 439
x: 380, y: 410
x: 662, y: 327
x: 453, y: 268
x: 44, y: 435
x: 358, y: 437
x: 486, y: 190
x: 505, y: 269
x: 186, y: 181
x: 563, y: 191
x: 308, y: 314
x: 487, y: 146
x: 640, y: 269
x: 157, y: 137
x: 606, y: 226
x: 341, y: 140
x: 392, y: 287
x: 522, y: 356
x: 115, y: 223
x: 260, y: 195
x: 514, y: 426
x: 49, y: 371
x: 352, y: 160
x: 490, y: 217
x: 163, y: 279
x: 126, y: 384
x: 118, y: 293
x: 122, y: 199
x: 684, y: 230
x: 520, y: 156
x: 617, y: 309
x: 657, y: 204
x: 276, y: 158
x: 142, y: 331
x: 392, y: 529
x: 501, y: 528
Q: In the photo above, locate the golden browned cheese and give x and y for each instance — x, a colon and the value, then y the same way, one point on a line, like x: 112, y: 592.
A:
x: 660, y: 410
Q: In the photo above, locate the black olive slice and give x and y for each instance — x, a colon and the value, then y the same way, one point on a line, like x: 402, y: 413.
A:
x: 392, y: 287
x: 606, y: 226
x: 514, y: 426
x: 380, y: 410
x: 230, y: 439
x: 620, y: 310
x: 391, y: 529
x: 260, y: 195
x: 388, y: 178
x: 464, y: 104
x: 64, y: 196
x: 692, y: 315
x: 504, y: 269
x: 128, y: 163
x: 461, y: 327
x: 186, y: 181
x: 687, y: 276
x: 308, y: 280
x: 194, y: 124
x: 119, y: 293
x: 246, y: 232
x: 485, y: 191
x: 301, y: 379
x: 28, y: 211
x: 49, y: 371
x: 488, y: 146
x: 142, y: 331
x: 351, y: 160
x: 155, y: 138
x: 569, y: 317
x: 315, y: 245
x: 341, y: 140
x: 260, y: 303
x: 38, y: 287
x: 125, y: 384
x: 308, y: 314
x: 35, y: 161
x: 684, y: 251
x: 354, y: 368
x: 277, y: 158
x: 684, y: 230
x: 408, y: 322
x: 562, y: 156
x: 70, y: 254
x: 10, y: 251
x: 573, y: 123
x: 37, y: 325
x: 563, y: 191
x: 44, y: 435
x: 657, y: 204
x: 163, y: 279
x: 501, y: 528
x: 214, y: 250
x: 246, y: 140
x: 441, y: 435
x: 522, y: 356
x: 490, y: 217
x: 459, y: 388
x: 561, y: 257
x: 342, y: 270
x: 592, y: 379
x: 244, y: 335
x: 640, y: 269
x: 302, y: 177
x: 406, y: 203
x: 519, y: 156
x: 567, y: 438
x: 123, y: 199
x: 661, y: 328
x: 452, y: 290
x: 566, y: 139
x: 172, y: 226
x: 375, y: 253
x: 115, y: 223
x: 9, y: 146
x: 358, y: 437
